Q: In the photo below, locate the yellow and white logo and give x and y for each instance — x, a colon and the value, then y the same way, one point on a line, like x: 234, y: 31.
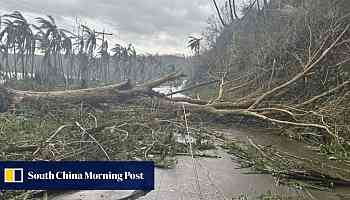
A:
x: 13, y: 175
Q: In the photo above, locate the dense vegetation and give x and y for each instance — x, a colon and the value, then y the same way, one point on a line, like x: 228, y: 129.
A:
x: 285, y: 63
x: 284, y: 60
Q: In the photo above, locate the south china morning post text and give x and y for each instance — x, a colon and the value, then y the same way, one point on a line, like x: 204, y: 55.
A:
x: 63, y: 175
x: 89, y: 175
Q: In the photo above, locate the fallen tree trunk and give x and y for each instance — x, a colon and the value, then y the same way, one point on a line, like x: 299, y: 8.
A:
x: 219, y: 105
x: 226, y: 110
x: 248, y: 113
x: 307, y: 68
x: 324, y: 94
x: 111, y: 93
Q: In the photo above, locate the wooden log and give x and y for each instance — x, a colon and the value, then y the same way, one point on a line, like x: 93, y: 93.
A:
x: 111, y: 93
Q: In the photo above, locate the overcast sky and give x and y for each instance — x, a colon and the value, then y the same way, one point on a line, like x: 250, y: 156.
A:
x: 155, y: 26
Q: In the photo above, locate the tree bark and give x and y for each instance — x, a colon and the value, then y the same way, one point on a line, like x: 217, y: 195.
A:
x: 111, y: 93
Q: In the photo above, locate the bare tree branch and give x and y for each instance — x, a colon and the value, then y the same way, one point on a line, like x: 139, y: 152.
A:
x: 219, y: 13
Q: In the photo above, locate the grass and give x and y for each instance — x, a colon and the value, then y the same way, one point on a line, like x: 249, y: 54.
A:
x: 269, y: 195
x: 62, y: 131
x: 309, y: 172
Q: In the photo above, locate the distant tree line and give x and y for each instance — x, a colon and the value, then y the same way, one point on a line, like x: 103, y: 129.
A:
x: 48, y: 54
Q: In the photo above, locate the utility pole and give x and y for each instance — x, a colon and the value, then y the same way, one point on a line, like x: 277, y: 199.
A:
x: 104, y: 48
x: 103, y: 34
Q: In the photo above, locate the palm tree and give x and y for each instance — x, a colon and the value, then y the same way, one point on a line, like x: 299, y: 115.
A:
x: 105, y: 59
x: 118, y: 51
x: 53, y: 41
x: 67, y: 46
x: 142, y: 63
x: 124, y: 56
x: 90, y: 38
x: 24, y: 39
x: 194, y: 44
x: 131, y: 56
x: 7, y: 35
x: 89, y: 41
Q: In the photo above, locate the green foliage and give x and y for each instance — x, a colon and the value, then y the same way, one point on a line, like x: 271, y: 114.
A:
x: 335, y: 151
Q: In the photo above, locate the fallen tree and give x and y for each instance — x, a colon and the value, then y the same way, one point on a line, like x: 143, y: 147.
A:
x: 112, y: 93
x: 313, y: 61
x: 125, y: 91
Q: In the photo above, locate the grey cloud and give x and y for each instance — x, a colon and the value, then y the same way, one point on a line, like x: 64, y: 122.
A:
x: 161, y: 22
